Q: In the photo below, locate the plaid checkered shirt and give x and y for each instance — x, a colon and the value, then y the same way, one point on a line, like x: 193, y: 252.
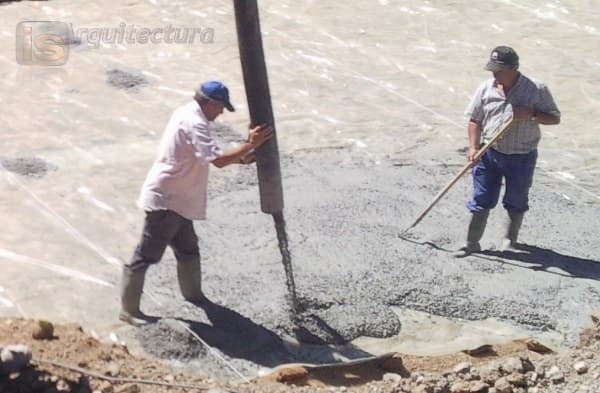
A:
x: 490, y: 108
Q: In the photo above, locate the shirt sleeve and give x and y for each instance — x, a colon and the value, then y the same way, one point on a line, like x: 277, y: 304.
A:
x: 474, y: 109
x: 546, y: 102
x: 205, y: 146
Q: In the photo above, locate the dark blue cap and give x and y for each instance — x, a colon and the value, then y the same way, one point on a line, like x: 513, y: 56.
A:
x: 216, y: 91
x: 502, y: 57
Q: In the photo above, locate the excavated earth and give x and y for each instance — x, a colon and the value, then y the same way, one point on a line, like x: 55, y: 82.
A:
x: 72, y: 361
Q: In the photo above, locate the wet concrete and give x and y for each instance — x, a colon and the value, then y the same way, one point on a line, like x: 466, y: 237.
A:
x: 26, y: 166
x: 352, y: 269
x: 127, y: 78
x: 286, y: 261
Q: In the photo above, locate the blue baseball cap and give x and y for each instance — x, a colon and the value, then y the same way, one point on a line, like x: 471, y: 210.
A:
x: 216, y: 91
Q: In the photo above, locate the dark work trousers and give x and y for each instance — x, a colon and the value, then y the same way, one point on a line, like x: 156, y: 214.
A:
x: 517, y: 171
x: 164, y: 228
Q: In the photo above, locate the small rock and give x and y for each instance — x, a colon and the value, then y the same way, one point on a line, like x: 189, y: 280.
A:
x: 540, y: 371
x: 291, y: 374
x: 581, y: 367
x: 462, y: 368
x: 511, y: 365
x: 471, y: 377
x: 482, y: 350
x: 555, y: 375
x: 533, y: 377
x: 169, y: 378
x: 420, y: 389
x: 43, y: 330
x: 533, y: 389
x: 536, y: 346
x: 596, y: 317
x: 461, y: 387
x: 517, y: 379
x: 393, y: 363
x: 112, y: 369
x: 479, y: 387
x: 392, y: 377
x: 527, y: 365
x: 489, y: 373
x: 503, y: 386
x: 62, y: 386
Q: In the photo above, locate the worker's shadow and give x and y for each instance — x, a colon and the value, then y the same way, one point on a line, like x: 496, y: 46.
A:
x: 544, y: 259
x: 239, y: 337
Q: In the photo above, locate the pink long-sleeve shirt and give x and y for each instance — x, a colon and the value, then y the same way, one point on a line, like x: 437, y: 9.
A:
x: 178, y: 178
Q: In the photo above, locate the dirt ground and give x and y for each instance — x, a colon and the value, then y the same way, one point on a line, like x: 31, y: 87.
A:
x: 73, y: 361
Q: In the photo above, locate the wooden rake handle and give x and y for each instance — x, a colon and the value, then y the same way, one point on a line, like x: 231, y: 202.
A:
x: 464, y: 170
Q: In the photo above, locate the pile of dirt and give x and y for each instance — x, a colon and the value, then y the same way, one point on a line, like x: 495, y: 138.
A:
x: 73, y: 361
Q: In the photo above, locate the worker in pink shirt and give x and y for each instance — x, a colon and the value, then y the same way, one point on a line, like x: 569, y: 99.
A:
x: 174, y: 194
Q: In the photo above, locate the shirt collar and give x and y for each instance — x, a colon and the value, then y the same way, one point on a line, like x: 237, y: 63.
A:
x: 517, y: 83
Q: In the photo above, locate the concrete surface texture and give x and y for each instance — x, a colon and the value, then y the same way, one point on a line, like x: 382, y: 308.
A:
x: 368, y: 102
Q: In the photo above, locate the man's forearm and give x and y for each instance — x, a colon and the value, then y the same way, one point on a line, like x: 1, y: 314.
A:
x: 233, y: 155
x: 547, y: 118
x: 474, y: 130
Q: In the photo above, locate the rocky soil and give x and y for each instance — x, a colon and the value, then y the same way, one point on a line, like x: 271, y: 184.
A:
x: 69, y: 360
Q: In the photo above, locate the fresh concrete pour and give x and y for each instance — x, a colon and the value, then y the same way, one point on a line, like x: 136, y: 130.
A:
x: 344, y: 216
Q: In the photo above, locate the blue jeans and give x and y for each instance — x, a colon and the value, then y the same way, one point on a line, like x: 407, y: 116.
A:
x: 516, y: 169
